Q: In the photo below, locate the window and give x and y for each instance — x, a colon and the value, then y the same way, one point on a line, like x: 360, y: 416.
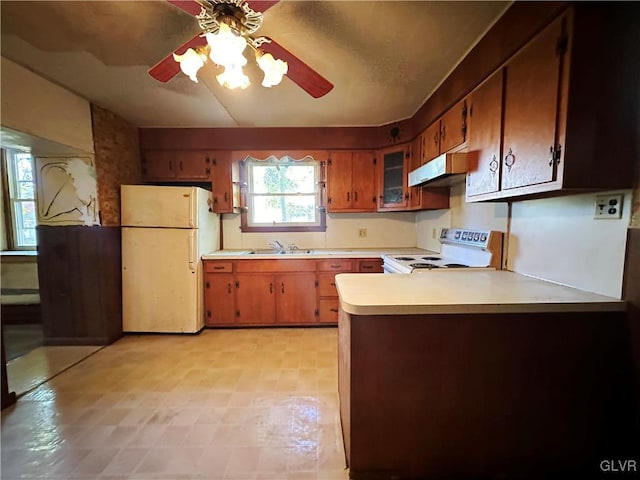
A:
x: 282, y: 195
x: 20, y: 197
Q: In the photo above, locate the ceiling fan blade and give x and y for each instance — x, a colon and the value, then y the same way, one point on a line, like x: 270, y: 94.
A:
x: 299, y: 72
x: 261, y: 5
x: 189, y: 6
x: 167, y: 68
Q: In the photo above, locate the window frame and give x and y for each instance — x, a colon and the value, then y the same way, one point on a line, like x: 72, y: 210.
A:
x: 10, y: 198
x: 246, y: 194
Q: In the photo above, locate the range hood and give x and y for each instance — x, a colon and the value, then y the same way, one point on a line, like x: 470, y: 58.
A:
x: 447, y: 169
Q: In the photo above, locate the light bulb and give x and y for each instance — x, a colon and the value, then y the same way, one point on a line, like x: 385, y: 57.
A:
x: 226, y: 47
x: 273, y: 69
x: 233, y: 77
x: 190, y: 62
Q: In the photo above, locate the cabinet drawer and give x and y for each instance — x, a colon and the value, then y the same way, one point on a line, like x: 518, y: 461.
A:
x: 327, y: 285
x: 218, y: 267
x: 329, y: 310
x: 337, y: 265
x: 370, y: 265
x: 266, y: 266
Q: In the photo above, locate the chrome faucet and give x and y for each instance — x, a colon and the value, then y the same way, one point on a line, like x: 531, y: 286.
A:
x: 277, y: 246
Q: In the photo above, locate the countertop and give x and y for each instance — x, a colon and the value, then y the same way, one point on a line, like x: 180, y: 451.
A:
x: 315, y: 253
x: 461, y: 291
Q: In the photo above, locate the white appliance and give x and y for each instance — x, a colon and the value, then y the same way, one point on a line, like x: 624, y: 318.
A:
x: 461, y: 248
x: 165, y: 231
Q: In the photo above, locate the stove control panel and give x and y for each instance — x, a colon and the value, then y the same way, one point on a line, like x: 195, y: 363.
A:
x: 473, y: 238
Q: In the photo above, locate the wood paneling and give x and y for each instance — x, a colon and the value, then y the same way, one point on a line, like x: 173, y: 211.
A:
x: 485, y: 396
x: 79, y: 270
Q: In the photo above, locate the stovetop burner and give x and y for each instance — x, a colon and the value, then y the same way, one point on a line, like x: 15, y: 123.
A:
x: 431, y: 258
x: 405, y: 259
x: 455, y: 265
x: 424, y: 265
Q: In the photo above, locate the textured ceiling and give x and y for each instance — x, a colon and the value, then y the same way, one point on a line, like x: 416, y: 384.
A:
x: 384, y: 58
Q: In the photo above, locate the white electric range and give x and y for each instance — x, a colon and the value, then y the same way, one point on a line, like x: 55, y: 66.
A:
x: 461, y: 248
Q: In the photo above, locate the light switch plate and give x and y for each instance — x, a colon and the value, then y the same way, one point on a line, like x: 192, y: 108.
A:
x: 608, y: 207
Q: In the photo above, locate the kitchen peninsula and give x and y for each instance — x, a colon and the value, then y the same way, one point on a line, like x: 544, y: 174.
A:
x: 479, y: 374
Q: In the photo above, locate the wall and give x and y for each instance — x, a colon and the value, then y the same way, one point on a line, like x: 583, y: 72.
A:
x: 117, y: 160
x: 486, y: 215
x: 395, y: 229
x: 61, y: 117
x: 559, y: 240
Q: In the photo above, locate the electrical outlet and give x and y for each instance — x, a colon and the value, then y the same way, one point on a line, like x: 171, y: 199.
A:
x: 608, y: 207
x: 362, y: 232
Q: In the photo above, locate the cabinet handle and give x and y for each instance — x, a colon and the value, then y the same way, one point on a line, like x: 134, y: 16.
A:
x: 228, y: 288
x: 443, y: 133
x: 282, y: 287
x: 207, y: 285
x: 373, y: 199
x: 366, y: 267
x: 406, y: 196
x: 348, y: 196
x: 271, y: 288
x: 336, y: 266
x: 180, y: 165
x: 218, y: 267
x: 493, y: 165
x: 334, y: 310
x: 436, y: 136
x: 509, y: 160
x: 170, y: 166
x: 226, y: 196
x: 355, y: 196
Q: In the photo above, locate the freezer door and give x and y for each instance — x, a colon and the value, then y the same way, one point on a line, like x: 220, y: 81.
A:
x: 168, y: 207
x: 161, y: 281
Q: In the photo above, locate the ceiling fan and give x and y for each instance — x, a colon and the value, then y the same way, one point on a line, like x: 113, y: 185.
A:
x: 236, y: 20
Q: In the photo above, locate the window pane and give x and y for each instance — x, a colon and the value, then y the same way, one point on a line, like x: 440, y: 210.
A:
x: 283, y: 179
x: 25, y: 213
x: 283, y: 209
x: 25, y: 190
x: 24, y: 168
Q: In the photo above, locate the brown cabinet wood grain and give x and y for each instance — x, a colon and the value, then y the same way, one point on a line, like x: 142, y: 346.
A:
x: 393, y: 191
x: 222, y: 187
x: 176, y: 165
x: 485, y: 114
x: 255, y: 299
x: 445, y: 134
x: 296, y: 298
x: 220, y: 305
x: 351, y: 181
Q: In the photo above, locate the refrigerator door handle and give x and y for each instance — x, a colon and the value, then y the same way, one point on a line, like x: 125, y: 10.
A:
x: 192, y: 201
x: 192, y: 251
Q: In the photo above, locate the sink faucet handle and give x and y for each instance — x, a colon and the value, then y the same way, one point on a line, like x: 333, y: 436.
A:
x: 276, y: 245
x: 293, y: 247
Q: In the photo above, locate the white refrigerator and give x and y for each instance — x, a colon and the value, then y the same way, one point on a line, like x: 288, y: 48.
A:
x: 165, y: 230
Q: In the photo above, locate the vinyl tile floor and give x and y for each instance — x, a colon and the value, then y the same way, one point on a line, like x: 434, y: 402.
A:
x: 224, y: 404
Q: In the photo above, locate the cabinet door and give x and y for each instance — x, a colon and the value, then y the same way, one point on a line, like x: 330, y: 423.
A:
x: 193, y: 165
x: 363, y: 183
x: 393, y: 179
x: 339, y: 179
x: 453, y: 127
x: 431, y: 144
x: 296, y: 298
x: 327, y: 285
x: 219, y: 299
x: 485, y: 110
x: 221, y: 182
x: 370, y: 265
x: 530, y: 105
x: 255, y: 297
x: 158, y: 165
x: 329, y: 310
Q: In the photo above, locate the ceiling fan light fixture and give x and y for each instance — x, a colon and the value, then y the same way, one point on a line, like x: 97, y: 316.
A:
x: 233, y: 77
x: 191, y: 62
x: 226, y: 47
x: 273, y: 69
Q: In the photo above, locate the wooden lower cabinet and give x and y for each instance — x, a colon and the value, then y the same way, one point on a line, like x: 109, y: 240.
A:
x: 276, y: 292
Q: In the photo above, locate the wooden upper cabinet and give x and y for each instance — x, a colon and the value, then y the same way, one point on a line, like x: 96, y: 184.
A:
x: 485, y: 112
x: 351, y: 181
x: 531, y: 102
x: 445, y: 134
x: 222, y: 182
x: 176, y: 165
x: 393, y: 174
